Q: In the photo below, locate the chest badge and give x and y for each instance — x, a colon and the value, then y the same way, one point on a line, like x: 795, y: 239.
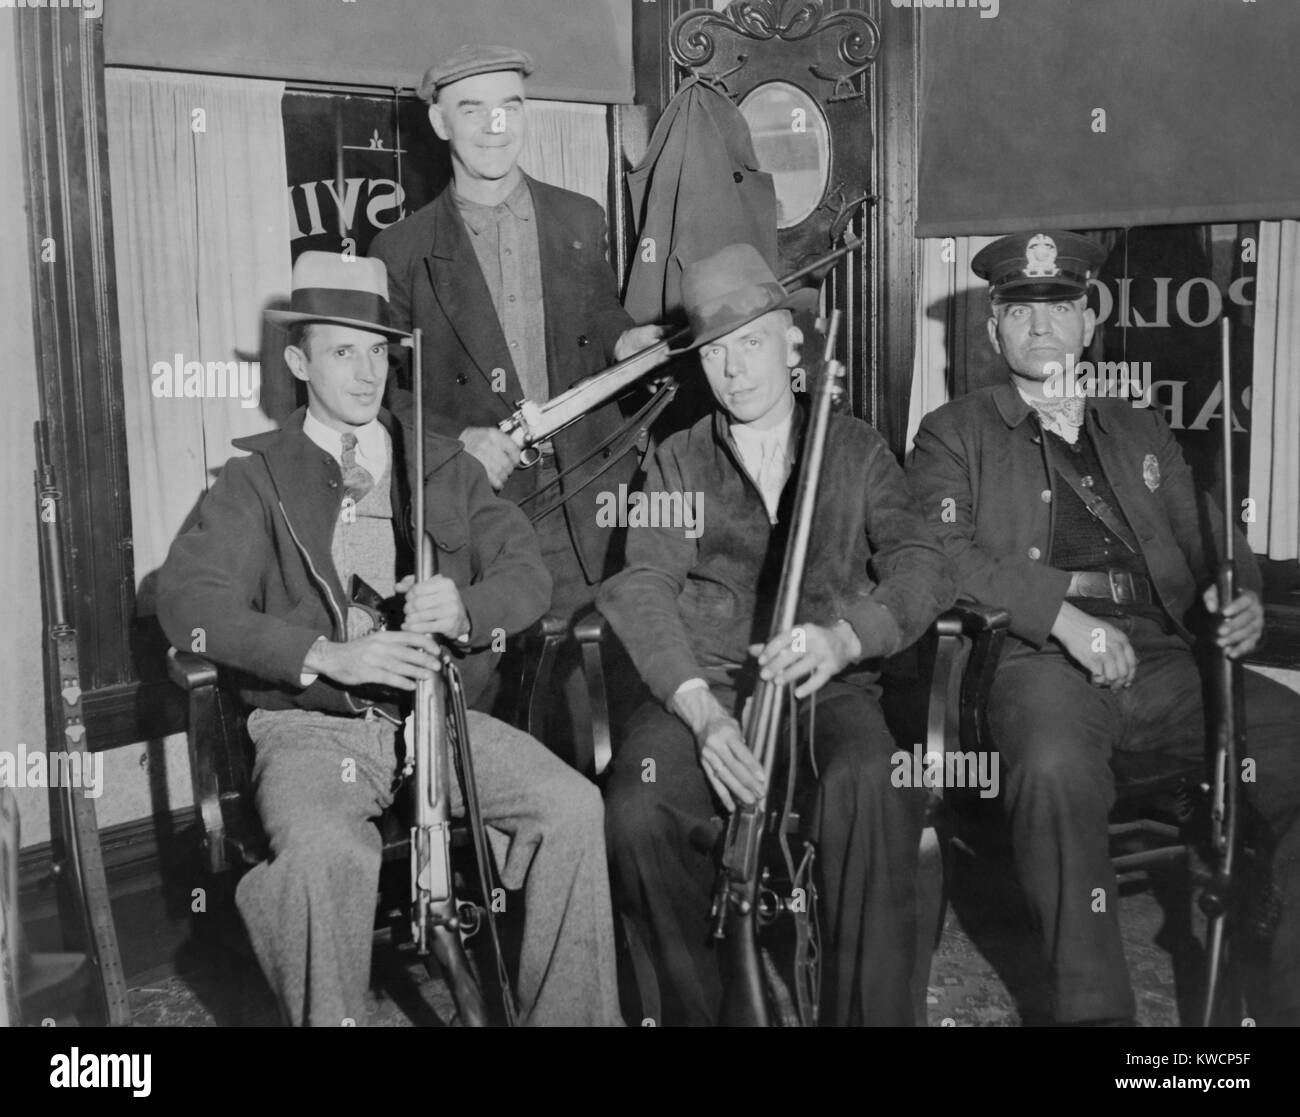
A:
x: 1151, y: 472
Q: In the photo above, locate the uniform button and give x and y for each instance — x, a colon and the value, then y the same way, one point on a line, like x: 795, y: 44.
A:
x: 509, y: 252
x: 462, y: 379
x: 514, y: 345
x: 1046, y: 496
x: 1035, y: 553
x: 582, y: 341
x: 577, y: 244
x: 738, y: 177
x: 333, y: 484
x: 510, y: 298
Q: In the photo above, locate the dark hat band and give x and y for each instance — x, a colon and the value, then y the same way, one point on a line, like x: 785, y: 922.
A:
x: 1019, y: 287
x: 337, y: 302
x: 735, y: 308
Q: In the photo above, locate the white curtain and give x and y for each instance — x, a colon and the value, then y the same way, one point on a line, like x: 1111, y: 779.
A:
x: 1275, y: 394
x: 951, y: 309
x: 201, y: 234
x: 567, y: 145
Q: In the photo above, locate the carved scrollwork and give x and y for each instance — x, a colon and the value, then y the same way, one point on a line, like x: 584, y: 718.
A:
x: 694, y: 38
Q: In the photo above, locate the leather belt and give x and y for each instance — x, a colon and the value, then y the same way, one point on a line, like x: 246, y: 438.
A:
x: 1119, y: 586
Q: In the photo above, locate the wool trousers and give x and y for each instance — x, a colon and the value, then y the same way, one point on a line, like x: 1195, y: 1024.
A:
x: 320, y: 783
x: 1061, y: 740
x: 663, y: 825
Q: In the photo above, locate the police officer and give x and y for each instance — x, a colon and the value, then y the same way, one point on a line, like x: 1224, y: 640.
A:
x: 1079, y: 515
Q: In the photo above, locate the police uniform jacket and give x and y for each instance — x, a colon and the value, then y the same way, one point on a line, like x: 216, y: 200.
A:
x: 981, y: 471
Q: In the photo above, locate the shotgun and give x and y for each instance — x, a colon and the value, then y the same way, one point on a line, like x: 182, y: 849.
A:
x: 1217, y: 900
x: 536, y: 422
x: 78, y: 859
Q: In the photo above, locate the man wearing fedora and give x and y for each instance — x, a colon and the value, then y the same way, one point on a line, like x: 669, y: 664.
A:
x: 1079, y: 515
x: 694, y: 611
x: 262, y: 575
x: 508, y: 279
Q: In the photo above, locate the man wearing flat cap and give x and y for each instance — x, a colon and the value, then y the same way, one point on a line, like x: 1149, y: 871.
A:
x: 507, y: 277
x: 694, y: 610
x: 1078, y: 514
x: 262, y: 575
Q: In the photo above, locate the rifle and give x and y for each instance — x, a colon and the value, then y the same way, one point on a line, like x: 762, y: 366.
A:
x: 533, y: 422
x: 439, y: 724
x: 1229, y: 736
x: 78, y: 860
x: 747, y: 893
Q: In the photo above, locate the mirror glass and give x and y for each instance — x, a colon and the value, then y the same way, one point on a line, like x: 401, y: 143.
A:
x: 791, y: 142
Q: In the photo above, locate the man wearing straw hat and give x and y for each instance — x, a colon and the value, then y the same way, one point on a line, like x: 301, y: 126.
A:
x: 262, y: 574
x: 693, y: 608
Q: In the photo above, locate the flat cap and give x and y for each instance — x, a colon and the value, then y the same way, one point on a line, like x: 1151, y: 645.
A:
x: 468, y: 61
x: 1033, y: 267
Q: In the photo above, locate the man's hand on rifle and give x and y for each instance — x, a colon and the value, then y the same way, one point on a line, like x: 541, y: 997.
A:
x: 731, y: 768
x: 496, y: 451
x: 1241, y: 625
x: 637, y: 338
x: 434, y: 606
x: 394, y: 659
x: 810, y: 652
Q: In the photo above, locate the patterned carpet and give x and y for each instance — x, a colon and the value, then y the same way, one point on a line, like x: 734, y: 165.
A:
x: 984, y: 973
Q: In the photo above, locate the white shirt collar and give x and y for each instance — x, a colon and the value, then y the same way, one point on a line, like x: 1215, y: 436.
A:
x: 772, y: 445
x: 750, y: 440
x: 372, y: 443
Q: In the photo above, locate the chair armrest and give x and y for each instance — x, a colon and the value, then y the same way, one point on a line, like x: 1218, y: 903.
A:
x: 970, y: 640
x: 590, y: 630
x: 541, y: 643
x: 970, y: 619
x: 189, y: 671
x: 203, y: 729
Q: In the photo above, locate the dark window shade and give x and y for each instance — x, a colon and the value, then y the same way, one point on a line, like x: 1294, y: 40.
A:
x: 583, y: 50
x: 1202, y: 102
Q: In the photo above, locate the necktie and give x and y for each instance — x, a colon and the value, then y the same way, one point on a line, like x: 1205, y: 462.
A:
x: 771, y: 475
x: 356, y: 478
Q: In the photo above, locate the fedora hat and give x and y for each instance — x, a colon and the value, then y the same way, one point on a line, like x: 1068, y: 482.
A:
x: 328, y: 287
x: 724, y: 291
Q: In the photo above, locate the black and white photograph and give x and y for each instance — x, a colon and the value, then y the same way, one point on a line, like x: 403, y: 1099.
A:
x: 652, y: 513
